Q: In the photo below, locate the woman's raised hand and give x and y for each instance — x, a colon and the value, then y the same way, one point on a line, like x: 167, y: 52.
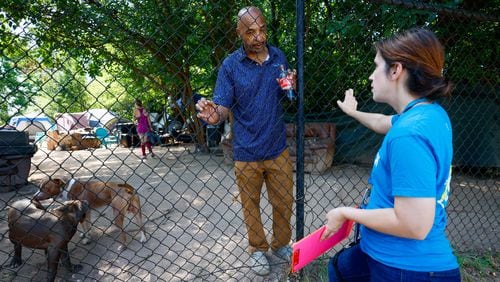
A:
x: 349, y: 105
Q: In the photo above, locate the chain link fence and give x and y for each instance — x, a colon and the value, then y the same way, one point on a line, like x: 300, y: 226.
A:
x: 70, y: 69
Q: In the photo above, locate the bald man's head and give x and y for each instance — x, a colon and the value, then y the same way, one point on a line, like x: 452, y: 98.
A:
x: 247, y: 16
x: 252, y: 29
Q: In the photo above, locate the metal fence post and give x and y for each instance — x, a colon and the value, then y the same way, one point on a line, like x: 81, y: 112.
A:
x: 300, y: 121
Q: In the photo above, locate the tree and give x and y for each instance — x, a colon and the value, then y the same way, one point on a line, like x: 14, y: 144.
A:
x: 161, y: 51
x: 154, y: 45
x: 15, y: 88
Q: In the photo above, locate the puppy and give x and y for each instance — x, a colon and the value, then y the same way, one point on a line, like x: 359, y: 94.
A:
x: 50, y: 230
x: 121, y: 197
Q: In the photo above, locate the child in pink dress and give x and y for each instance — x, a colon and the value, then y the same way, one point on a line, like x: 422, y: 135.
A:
x: 143, y: 127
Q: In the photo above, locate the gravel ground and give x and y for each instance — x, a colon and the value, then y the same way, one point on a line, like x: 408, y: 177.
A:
x: 193, y: 216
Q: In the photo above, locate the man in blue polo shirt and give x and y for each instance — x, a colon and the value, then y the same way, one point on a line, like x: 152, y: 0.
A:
x: 247, y: 86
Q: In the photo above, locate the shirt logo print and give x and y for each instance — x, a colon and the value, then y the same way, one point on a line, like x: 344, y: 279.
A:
x: 377, y: 158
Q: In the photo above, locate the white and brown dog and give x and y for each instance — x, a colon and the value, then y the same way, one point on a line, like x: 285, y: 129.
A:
x: 120, y: 196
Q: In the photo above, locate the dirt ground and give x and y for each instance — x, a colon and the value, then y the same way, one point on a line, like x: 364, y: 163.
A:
x: 193, y: 218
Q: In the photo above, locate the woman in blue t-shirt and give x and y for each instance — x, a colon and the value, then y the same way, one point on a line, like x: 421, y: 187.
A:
x: 403, y: 225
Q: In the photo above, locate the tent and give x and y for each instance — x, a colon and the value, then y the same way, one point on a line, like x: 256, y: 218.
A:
x: 72, y: 121
x: 102, y: 118
x: 32, y: 123
x: 89, y: 119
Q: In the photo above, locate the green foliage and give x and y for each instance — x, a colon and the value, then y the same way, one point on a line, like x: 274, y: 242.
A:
x: 475, y: 267
x: 15, y: 87
x: 11, y: 93
x: 147, y: 46
x: 161, y: 51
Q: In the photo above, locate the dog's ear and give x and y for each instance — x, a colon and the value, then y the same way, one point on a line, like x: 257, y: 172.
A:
x: 69, y: 206
x: 58, y: 181
x: 37, y: 203
x: 64, y: 209
x: 48, y: 189
x: 73, y: 209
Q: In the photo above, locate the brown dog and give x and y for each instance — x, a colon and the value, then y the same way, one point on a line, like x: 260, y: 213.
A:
x: 50, y: 230
x: 121, y: 197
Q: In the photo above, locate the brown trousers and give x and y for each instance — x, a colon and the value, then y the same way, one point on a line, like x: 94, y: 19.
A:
x: 278, y: 176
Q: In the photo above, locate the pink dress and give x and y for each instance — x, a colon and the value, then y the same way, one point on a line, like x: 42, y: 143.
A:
x: 142, y: 122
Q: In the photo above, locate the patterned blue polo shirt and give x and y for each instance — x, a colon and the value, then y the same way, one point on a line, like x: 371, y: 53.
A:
x: 255, y: 98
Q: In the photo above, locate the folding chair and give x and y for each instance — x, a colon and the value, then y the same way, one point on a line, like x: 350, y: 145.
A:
x: 105, y: 137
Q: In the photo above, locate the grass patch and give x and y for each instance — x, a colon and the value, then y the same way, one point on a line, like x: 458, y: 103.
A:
x: 479, y: 267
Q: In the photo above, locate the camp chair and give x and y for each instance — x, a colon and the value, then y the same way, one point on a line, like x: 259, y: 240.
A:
x: 105, y: 137
x: 40, y: 137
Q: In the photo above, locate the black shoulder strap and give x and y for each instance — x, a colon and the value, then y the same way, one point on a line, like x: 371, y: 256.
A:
x: 364, y: 202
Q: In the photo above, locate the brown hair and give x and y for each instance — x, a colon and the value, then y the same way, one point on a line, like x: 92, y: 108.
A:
x: 421, y: 53
x: 138, y: 103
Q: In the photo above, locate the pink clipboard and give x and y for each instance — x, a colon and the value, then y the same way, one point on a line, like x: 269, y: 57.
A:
x: 311, y: 247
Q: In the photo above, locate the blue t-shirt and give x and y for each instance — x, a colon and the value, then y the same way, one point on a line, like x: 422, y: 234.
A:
x: 413, y: 161
x: 254, y: 96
